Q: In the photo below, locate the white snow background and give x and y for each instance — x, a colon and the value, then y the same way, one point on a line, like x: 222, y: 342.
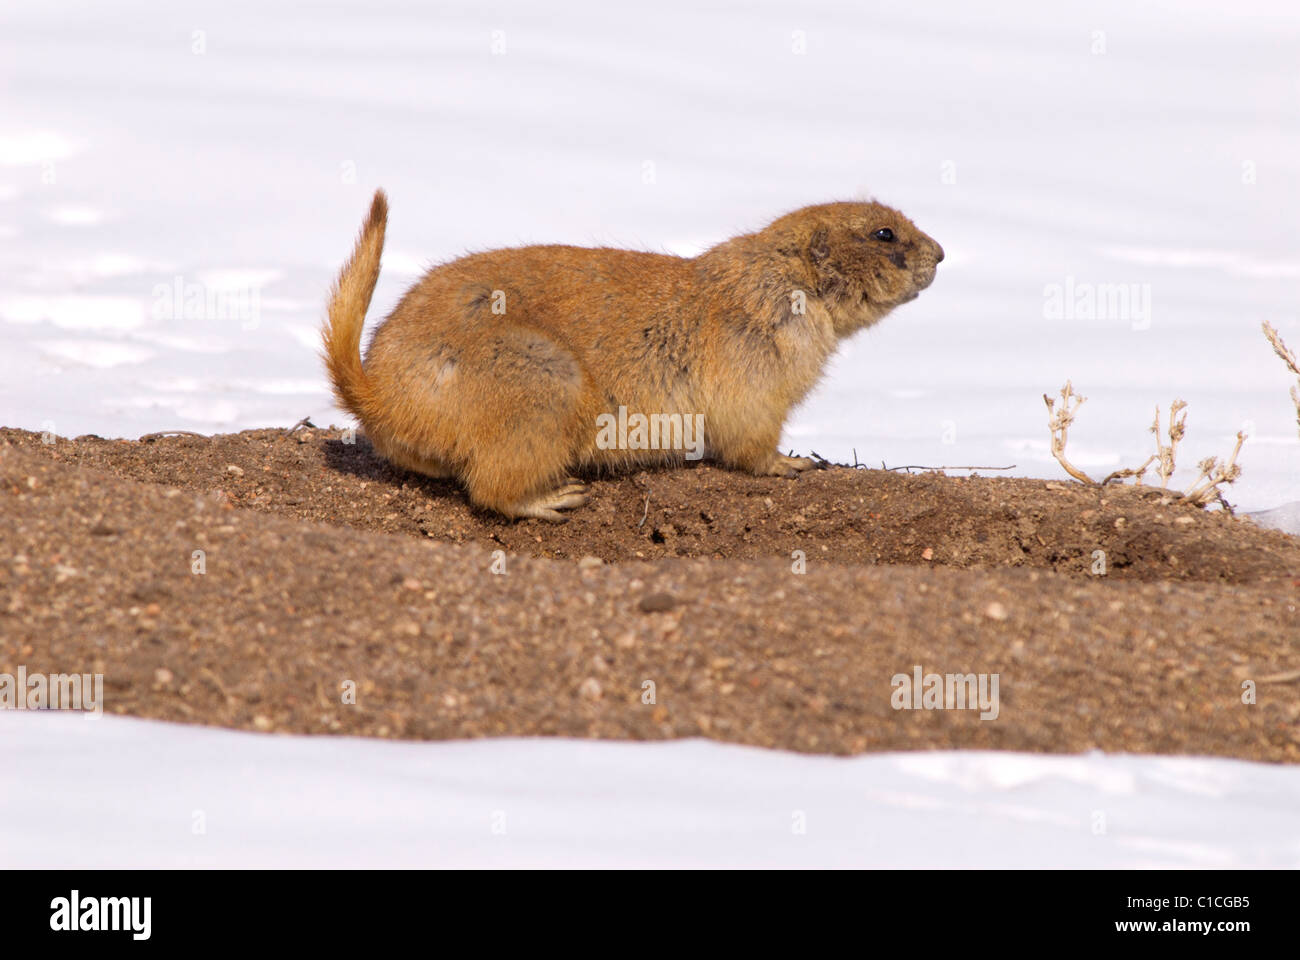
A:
x: 232, y: 147
x: 117, y: 792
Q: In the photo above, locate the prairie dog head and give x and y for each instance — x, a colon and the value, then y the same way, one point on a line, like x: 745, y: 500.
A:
x: 863, y: 259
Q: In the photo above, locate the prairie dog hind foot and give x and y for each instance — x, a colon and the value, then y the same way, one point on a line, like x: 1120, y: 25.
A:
x: 546, y: 506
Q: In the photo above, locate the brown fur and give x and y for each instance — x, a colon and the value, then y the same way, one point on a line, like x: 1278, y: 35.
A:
x: 507, y: 402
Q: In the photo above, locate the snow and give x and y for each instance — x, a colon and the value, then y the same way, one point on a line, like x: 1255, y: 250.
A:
x: 1285, y: 517
x: 1080, y: 146
x: 229, y: 149
x: 130, y: 793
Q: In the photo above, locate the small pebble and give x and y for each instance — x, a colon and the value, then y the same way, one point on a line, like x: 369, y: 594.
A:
x: 657, y: 602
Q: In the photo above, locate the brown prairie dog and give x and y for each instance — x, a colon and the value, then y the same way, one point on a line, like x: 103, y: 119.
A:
x: 512, y: 370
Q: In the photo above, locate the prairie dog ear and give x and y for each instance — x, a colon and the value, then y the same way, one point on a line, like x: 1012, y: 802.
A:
x: 819, y: 247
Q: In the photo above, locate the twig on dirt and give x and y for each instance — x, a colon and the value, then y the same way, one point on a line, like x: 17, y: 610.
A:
x: 206, y: 672
x: 150, y: 437
x: 822, y: 462
x: 304, y: 422
x: 645, y: 513
x: 1289, y: 359
x: 1058, y: 421
x: 1288, y: 677
x: 1129, y: 472
x: 1223, y: 502
x: 920, y: 466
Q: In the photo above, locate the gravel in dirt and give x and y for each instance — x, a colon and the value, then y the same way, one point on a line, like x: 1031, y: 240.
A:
x: 293, y: 582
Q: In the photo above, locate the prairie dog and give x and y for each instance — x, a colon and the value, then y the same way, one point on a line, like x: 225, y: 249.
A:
x: 499, y: 369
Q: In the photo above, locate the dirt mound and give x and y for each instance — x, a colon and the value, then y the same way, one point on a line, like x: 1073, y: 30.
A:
x: 837, y: 515
x: 324, y: 571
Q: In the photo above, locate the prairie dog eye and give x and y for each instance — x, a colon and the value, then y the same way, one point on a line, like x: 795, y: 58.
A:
x: 884, y: 233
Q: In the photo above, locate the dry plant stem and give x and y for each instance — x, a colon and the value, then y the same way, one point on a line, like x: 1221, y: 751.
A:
x: 1167, y: 455
x: 1213, y: 474
x: 1223, y: 502
x: 1289, y: 358
x: 304, y: 422
x: 148, y: 437
x: 1129, y: 472
x: 1058, y: 421
x: 921, y: 466
x: 1280, y: 348
x: 1204, y: 489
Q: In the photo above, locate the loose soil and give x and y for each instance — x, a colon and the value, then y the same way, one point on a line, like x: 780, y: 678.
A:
x: 671, y: 605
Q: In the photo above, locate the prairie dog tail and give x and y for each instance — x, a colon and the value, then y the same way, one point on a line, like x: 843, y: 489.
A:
x: 349, y: 300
